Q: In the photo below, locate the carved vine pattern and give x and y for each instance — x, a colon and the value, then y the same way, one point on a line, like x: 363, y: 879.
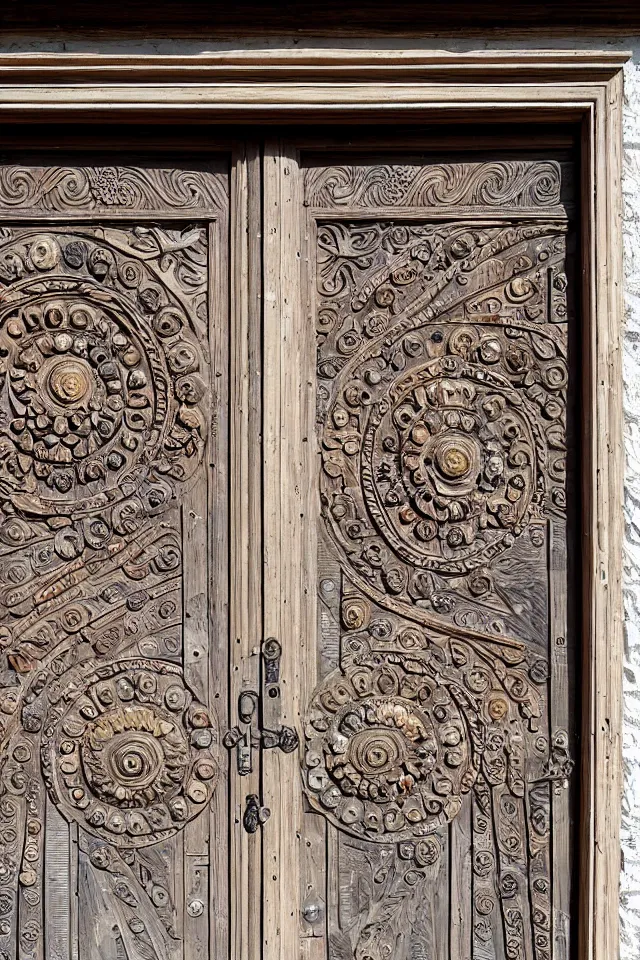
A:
x: 103, y: 422
x: 442, y: 394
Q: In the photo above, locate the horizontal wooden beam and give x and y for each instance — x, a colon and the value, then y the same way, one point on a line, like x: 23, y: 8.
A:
x: 400, y: 65
x: 166, y: 18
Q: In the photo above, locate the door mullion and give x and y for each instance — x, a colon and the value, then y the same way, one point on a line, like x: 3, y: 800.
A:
x: 289, y: 536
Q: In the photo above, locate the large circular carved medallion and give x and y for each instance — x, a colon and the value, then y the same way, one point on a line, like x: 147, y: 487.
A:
x: 131, y: 755
x: 101, y: 380
x: 441, y: 445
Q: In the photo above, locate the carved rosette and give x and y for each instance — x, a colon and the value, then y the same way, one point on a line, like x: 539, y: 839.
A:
x: 130, y: 754
x: 392, y: 746
x: 449, y: 464
x: 408, y: 725
x: 99, y: 371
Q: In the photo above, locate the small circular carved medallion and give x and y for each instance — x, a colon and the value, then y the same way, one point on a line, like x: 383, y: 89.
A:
x: 129, y: 755
x: 388, y: 753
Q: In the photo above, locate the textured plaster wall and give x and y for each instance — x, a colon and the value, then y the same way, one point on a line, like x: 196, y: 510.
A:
x: 630, y: 854
x: 630, y: 877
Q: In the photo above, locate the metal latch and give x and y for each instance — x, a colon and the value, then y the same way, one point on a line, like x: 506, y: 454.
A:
x: 247, y: 735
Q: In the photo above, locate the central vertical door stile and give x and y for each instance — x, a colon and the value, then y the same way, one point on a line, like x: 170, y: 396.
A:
x: 289, y: 547
x: 245, y: 628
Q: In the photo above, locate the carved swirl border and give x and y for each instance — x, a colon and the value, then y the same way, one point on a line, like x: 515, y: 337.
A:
x: 521, y: 184
x: 25, y: 188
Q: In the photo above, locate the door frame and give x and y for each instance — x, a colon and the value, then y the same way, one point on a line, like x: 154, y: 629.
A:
x: 342, y: 85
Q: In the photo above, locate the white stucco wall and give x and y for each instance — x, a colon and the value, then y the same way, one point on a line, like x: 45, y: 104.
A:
x: 630, y: 860
x: 630, y: 877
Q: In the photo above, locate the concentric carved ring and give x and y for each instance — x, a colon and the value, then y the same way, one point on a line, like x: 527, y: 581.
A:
x: 388, y: 753
x: 130, y: 756
x: 103, y: 378
x: 448, y: 467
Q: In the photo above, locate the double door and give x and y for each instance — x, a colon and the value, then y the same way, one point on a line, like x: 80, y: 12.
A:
x: 287, y: 606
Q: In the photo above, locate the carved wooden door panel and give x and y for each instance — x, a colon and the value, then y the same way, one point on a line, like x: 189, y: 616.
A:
x: 422, y: 536
x: 113, y: 307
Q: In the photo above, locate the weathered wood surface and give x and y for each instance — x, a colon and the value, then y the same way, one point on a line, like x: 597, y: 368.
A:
x: 113, y: 559
x: 328, y: 18
x: 475, y: 620
x: 439, y: 739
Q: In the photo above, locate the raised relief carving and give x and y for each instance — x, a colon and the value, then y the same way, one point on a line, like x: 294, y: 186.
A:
x: 519, y: 183
x: 442, y: 383
x: 400, y: 737
x: 443, y: 424
x: 397, y: 736
x: 103, y: 423
x: 129, y: 753
x: 58, y: 189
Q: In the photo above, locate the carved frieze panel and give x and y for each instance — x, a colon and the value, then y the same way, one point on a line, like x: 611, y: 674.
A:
x: 523, y: 185
x: 439, y: 738
x: 115, y: 189
x: 110, y: 737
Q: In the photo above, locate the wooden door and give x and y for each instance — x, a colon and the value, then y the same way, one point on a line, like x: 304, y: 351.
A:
x: 420, y: 495
x: 114, y: 819
x: 360, y: 745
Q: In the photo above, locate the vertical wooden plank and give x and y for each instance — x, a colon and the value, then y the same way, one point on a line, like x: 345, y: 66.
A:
x: 245, y: 628
x: 558, y: 724
x: 460, y: 884
x: 57, y: 885
x: 603, y: 463
x: 289, y: 532
x: 217, y: 583
x: 74, y: 913
x: 323, y: 654
x: 197, y: 650
x: 441, y: 903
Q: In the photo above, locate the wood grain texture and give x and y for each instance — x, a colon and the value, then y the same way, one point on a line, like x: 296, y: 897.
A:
x: 602, y: 520
x: 246, y: 627
x: 114, y: 607
x: 497, y: 88
x: 370, y: 19
x: 289, y: 537
x: 443, y: 471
